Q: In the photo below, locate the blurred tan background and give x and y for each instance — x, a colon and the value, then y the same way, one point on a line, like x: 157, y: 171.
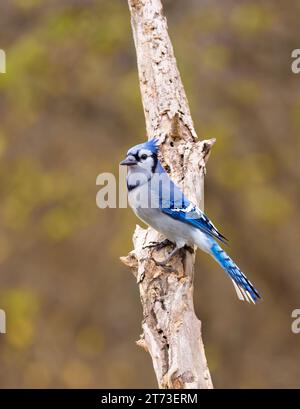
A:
x: 69, y: 109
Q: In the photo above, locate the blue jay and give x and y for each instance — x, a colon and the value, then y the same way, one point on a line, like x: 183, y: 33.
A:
x: 158, y: 202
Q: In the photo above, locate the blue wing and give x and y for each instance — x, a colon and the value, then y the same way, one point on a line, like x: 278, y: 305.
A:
x: 195, y: 217
x: 176, y: 205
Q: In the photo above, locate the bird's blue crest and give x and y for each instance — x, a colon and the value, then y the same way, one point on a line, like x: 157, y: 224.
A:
x: 151, y: 145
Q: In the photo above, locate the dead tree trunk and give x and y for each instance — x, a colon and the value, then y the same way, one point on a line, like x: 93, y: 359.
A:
x: 171, y: 330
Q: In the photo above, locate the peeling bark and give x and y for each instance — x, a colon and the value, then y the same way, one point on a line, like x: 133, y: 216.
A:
x: 171, y: 330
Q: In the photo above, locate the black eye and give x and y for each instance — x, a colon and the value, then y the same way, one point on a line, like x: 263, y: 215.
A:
x: 144, y: 156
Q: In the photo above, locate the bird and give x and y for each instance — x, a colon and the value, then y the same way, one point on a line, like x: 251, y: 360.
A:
x: 160, y: 203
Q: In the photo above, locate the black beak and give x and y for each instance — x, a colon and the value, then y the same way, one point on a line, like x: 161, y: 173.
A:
x: 129, y: 161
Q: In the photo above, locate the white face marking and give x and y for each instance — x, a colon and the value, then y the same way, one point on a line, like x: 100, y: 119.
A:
x: 143, y: 170
x: 145, y: 160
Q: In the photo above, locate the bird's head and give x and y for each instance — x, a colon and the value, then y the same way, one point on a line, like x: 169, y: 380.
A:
x: 142, y: 157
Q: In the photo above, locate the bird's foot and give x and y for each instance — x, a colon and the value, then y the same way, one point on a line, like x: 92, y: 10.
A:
x: 189, y: 249
x: 163, y: 264
x: 158, y: 245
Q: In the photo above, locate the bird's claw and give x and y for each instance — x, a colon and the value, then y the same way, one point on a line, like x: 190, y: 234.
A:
x: 158, y: 245
x: 189, y: 249
x: 162, y: 264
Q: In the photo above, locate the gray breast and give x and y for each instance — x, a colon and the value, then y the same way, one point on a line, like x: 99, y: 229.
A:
x: 176, y: 231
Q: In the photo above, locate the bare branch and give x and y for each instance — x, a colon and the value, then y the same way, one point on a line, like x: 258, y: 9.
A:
x: 171, y: 330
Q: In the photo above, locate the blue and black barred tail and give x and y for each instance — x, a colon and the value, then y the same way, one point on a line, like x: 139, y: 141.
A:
x: 245, y: 290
